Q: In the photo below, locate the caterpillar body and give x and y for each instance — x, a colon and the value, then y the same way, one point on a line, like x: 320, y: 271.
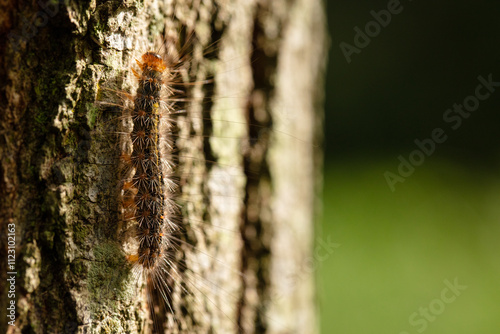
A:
x: 147, y: 195
x: 151, y: 204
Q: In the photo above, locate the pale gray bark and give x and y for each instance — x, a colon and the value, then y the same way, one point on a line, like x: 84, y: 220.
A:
x: 58, y: 164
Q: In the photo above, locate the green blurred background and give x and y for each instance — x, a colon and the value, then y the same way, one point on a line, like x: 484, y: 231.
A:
x: 397, y: 247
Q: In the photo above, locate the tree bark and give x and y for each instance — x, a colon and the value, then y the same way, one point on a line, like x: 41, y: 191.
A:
x: 261, y: 65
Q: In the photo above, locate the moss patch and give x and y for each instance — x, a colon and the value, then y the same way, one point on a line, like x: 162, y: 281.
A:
x: 108, y: 274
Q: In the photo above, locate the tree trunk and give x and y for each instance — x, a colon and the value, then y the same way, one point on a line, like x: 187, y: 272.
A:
x: 249, y: 163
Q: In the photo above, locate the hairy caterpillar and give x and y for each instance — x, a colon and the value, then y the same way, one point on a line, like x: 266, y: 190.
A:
x: 236, y: 188
x: 148, y: 193
x: 149, y: 182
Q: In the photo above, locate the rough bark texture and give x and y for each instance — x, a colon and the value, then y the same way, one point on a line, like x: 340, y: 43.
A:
x: 58, y: 164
